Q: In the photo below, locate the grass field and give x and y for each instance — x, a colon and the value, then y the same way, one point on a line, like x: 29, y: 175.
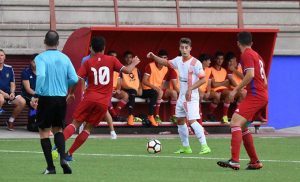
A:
x: 126, y: 160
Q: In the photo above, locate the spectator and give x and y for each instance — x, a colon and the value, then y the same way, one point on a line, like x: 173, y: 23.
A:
x: 7, y: 91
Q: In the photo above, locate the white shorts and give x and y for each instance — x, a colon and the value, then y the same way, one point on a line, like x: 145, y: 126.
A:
x: 190, y: 110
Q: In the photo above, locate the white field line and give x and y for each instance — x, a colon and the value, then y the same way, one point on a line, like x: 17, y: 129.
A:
x: 152, y: 156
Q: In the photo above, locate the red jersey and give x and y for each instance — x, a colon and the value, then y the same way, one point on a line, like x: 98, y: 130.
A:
x: 99, y: 71
x: 251, y: 60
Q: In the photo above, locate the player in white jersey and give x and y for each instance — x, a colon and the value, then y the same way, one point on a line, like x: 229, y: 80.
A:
x: 191, y: 76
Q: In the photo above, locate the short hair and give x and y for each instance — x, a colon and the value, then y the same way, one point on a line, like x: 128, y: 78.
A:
x: 219, y: 53
x: 33, y: 56
x: 229, y: 56
x: 203, y: 57
x: 185, y: 40
x: 111, y: 52
x: 162, y: 52
x: 126, y: 53
x: 1, y: 50
x: 245, y: 38
x: 51, y: 38
x: 98, y: 44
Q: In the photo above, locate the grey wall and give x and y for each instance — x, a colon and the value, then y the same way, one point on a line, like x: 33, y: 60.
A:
x: 23, y: 23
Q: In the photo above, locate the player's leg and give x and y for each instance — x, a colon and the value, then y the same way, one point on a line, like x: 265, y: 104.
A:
x: 226, y: 104
x: 109, y: 121
x: 123, y: 97
x: 19, y: 103
x: 152, y: 96
x: 2, y: 101
x: 183, y: 134
x: 157, y: 106
x: 215, y: 97
x: 131, y: 103
x: 172, y: 95
x: 46, y: 147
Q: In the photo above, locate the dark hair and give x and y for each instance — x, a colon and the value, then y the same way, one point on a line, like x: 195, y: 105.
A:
x: 98, y: 44
x: 185, y: 40
x: 1, y: 50
x: 51, y: 38
x: 126, y: 53
x: 228, y: 57
x: 203, y: 57
x: 219, y: 53
x: 245, y: 38
x: 162, y: 52
x: 33, y: 56
x: 111, y: 52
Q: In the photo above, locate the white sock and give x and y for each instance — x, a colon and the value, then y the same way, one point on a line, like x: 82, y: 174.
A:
x: 113, y: 133
x: 81, y: 127
x: 11, y: 119
x: 199, y: 132
x: 184, y: 135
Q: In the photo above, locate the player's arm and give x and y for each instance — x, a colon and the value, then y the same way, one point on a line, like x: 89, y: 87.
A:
x: 157, y: 59
x: 196, y: 85
x: 5, y: 95
x: 239, y: 74
x: 147, y: 83
x: 72, y: 76
x: 174, y: 83
x: 128, y: 69
x: 208, y: 89
x: 26, y: 85
x: 220, y: 84
x: 40, y: 75
x: 231, y: 80
x: 119, y: 83
x: 247, y: 79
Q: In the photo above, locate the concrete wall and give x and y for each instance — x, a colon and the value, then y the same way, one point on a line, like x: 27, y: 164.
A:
x: 23, y: 23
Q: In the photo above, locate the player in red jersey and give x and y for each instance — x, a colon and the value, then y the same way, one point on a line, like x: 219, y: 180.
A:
x: 257, y: 98
x: 93, y: 107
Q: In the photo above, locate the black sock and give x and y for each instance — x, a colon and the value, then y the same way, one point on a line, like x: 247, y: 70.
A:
x: 59, y: 141
x: 46, y: 146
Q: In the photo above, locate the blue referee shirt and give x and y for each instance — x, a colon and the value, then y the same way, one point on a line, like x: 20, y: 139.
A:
x: 27, y: 74
x: 54, y: 73
x: 6, y: 77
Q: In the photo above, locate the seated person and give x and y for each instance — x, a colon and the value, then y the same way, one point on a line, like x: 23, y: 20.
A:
x: 132, y: 85
x: 220, y: 90
x: 7, y: 91
x: 153, y: 82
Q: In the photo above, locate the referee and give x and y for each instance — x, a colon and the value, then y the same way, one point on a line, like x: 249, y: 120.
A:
x: 54, y: 75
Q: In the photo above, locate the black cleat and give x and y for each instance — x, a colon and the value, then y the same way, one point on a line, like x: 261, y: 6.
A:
x: 230, y: 163
x: 254, y: 166
x: 66, y: 168
x: 49, y: 171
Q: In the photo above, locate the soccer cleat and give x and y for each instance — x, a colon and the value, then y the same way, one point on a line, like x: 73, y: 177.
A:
x: 152, y: 120
x: 68, y: 157
x: 10, y: 126
x: 137, y: 119
x: 49, y: 171
x: 173, y: 119
x: 113, y: 135
x: 254, y: 166
x: 211, y: 117
x: 225, y: 120
x: 66, y: 168
x: 157, y: 119
x: 130, y: 120
x: 230, y: 163
x: 205, y: 149
x: 1, y: 111
x: 184, y: 150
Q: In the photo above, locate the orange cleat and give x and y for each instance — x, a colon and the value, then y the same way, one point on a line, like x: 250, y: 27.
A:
x: 152, y: 120
x: 130, y: 120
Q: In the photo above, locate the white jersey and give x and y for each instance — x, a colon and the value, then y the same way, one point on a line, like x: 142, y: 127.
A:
x: 190, y: 71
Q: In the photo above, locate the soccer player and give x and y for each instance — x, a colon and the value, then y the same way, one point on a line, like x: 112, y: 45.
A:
x: 94, y: 105
x: 187, y: 108
x: 7, y: 91
x: 220, y: 85
x: 255, y: 81
x: 54, y: 75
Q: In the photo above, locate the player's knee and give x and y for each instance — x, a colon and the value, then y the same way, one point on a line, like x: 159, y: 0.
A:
x: 173, y: 95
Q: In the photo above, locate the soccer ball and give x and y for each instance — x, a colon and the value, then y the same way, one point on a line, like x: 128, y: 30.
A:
x: 54, y: 154
x: 153, y: 146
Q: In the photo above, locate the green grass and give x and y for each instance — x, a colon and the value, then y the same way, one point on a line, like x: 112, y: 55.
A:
x: 140, y: 166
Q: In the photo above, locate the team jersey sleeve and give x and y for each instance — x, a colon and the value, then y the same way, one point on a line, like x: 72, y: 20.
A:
x: 173, y: 63
x: 12, y: 77
x: 198, y: 70
x: 147, y: 70
x: 83, y: 70
x: 72, y: 76
x: 24, y: 75
x: 248, y: 61
x: 117, y: 65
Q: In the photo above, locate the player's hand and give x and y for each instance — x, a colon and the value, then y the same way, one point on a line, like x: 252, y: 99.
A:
x: 5, y: 95
x: 232, y: 95
x: 70, y: 98
x: 188, y: 95
x: 118, y: 91
x: 136, y: 60
x: 206, y: 96
x: 231, y: 68
x: 150, y: 55
x: 34, y: 102
x: 12, y: 96
x: 157, y: 89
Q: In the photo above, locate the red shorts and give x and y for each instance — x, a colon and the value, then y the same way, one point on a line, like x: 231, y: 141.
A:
x: 90, y: 112
x: 250, y: 106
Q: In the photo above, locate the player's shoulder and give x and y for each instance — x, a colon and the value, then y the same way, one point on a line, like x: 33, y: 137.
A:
x: 178, y: 58
x: 7, y: 66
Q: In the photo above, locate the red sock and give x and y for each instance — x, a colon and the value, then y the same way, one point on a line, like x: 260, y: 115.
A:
x: 225, y: 109
x: 173, y: 107
x: 80, y: 139
x: 212, y: 107
x: 122, y: 103
x: 249, y: 146
x: 69, y: 131
x: 112, y: 110
x: 157, y: 106
x: 236, y: 140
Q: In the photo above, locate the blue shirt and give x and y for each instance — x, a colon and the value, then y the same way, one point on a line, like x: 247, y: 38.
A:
x: 27, y: 74
x: 82, y: 61
x: 54, y: 73
x: 6, y: 77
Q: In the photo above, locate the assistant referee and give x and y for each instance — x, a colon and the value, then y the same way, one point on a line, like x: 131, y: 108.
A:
x: 54, y: 75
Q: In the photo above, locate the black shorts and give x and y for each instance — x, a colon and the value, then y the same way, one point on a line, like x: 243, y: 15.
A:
x: 51, y: 112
